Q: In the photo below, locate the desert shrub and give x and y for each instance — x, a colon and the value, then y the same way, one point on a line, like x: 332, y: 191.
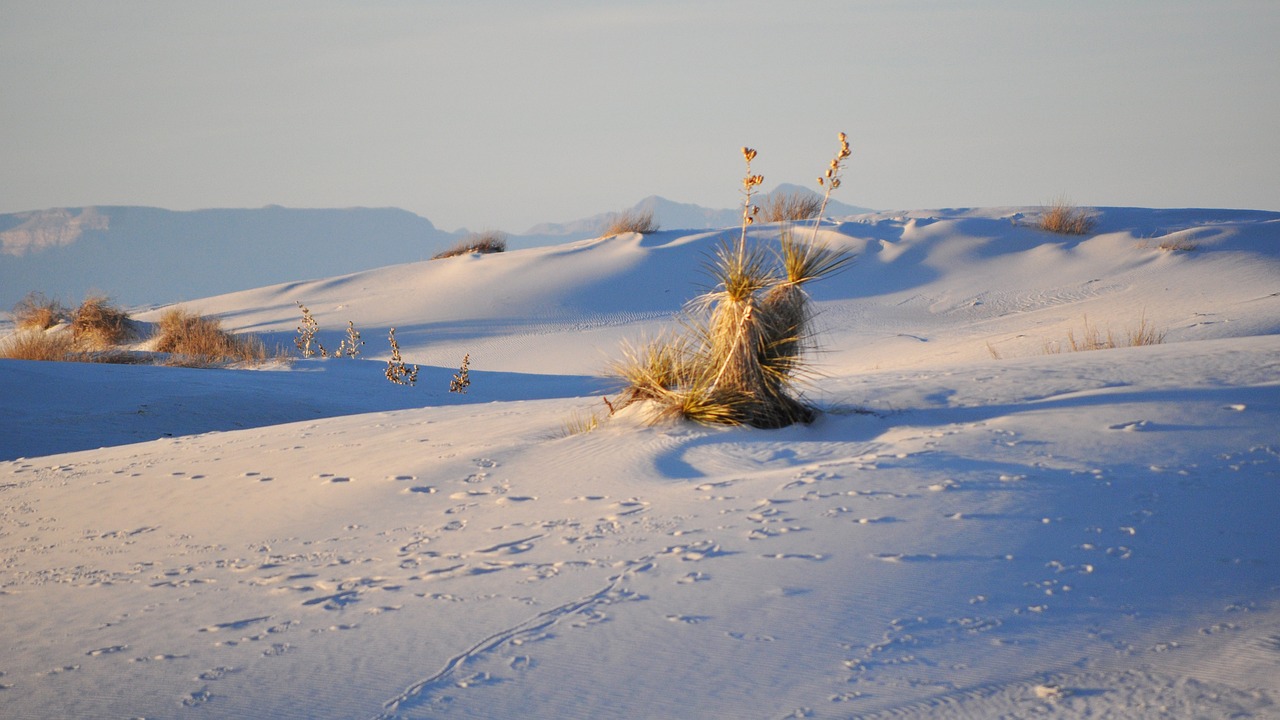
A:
x: 306, y: 336
x: 98, y: 325
x: 397, y: 372
x: 34, y: 344
x: 37, y: 312
x: 629, y: 221
x: 1064, y: 218
x: 351, y: 344
x: 742, y: 360
x: 791, y: 207
x: 462, y: 379
x: 199, y: 341
x: 483, y: 243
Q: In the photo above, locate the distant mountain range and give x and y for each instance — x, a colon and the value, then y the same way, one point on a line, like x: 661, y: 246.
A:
x: 142, y: 256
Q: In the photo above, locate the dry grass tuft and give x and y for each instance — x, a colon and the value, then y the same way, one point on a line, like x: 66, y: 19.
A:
x: 34, y: 344
x: 483, y: 243
x: 196, y: 341
x: 632, y: 221
x: 791, y: 207
x: 1091, y: 338
x: 1064, y: 218
x: 580, y: 423
x: 99, y: 325
x: 37, y: 312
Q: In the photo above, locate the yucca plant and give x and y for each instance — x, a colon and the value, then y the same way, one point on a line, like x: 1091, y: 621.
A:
x: 653, y: 367
x: 740, y: 364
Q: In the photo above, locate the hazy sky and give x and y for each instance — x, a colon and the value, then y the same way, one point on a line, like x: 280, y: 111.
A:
x: 498, y: 114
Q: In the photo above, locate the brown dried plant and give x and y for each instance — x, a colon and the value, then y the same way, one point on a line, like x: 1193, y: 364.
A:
x: 482, y: 243
x: 632, y: 221
x: 306, y: 336
x: 791, y: 207
x: 37, y: 312
x: 1064, y: 218
x: 397, y: 372
x: 462, y: 379
x: 350, y: 345
x: 98, y: 325
x: 193, y: 340
x: 33, y: 344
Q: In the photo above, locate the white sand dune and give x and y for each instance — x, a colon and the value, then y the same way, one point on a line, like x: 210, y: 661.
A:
x: 973, y: 528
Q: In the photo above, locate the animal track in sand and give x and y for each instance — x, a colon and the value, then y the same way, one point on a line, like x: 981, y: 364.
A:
x: 216, y: 673
x: 110, y: 650
x: 235, y: 624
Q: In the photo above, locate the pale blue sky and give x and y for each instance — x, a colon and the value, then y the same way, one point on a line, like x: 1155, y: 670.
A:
x: 498, y: 114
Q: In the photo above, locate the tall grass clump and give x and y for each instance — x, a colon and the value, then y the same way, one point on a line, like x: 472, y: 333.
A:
x: 34, y: 344
x: 632, y: 221
x: 197, y: 341
x: 98, y: 325
x: 37, y: 312
x: 791, y: 207
x: 1092, y: 338
x: 482, y: 243
x: 1064, y: 218
x: 744, y: 352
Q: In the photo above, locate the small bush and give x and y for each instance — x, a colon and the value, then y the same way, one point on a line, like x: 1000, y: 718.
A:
x: 99, y: 325
x: 1065, y: 219
x: 632, y: 221
x: 350, y: 345
x: 306, y: 336
x: 397, y: 372
x: 32, y: 344
x: 37, y: 312
x: 791, y: 207
x: 483, y: 243
x: 462, y: 379
x: 198, y: 341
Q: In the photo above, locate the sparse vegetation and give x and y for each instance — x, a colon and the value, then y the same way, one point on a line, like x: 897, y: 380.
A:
x: 741, y: 362
x: 1175, y: 243
x: 196, y: 341
x: 37, y: 312
x: 397, y: 372
x: 483, y: 243
x: 791, y: 207
x: 33, y: 344
x: 98, y: 325
x: 462, y: 379
x: 1064, y: 218
x: 350, y: 345
x: 1092, y: 338
x: 306, y: 336
x: 580, y: 422
x: 629, y: 221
